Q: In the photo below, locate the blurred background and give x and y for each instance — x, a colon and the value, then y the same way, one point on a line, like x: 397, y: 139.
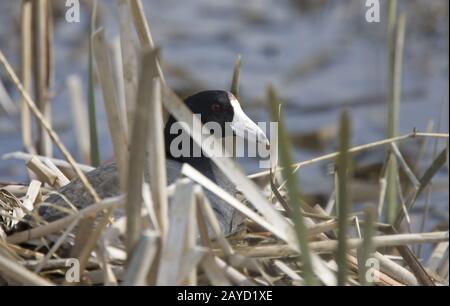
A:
x: 320, y: 55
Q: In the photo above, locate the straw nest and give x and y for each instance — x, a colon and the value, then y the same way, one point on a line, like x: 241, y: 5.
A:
x: 163, y: 238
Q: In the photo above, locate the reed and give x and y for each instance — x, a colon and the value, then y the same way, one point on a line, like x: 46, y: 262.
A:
x: 93, y: 137
x: 25, y: 73
x: 139, y: 143
x: 42, y: 67
x: 343, y: 203
x: 292, y: 185
x: 159, y: 234
x: 79, y: 112
x: 115, y: 117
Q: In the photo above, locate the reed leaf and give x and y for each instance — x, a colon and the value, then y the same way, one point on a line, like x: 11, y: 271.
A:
x: 293, y: 188
x: 343, y: 204
x: 234, y: 88
x: 93, y: 136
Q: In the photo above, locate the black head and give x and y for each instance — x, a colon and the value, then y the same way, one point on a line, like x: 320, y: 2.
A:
x: 213, y: 106
x: 221, y: 108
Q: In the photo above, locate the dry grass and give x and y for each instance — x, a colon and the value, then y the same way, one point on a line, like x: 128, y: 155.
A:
x: 286, y: 240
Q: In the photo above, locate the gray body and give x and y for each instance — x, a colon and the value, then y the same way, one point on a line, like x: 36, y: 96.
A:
x: 105, y: 181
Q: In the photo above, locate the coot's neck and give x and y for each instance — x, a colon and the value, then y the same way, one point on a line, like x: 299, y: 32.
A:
x: 197, y: 157
x: 202, y: 163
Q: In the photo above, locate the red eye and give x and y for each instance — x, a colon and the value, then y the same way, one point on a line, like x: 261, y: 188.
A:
x: 215, y: 107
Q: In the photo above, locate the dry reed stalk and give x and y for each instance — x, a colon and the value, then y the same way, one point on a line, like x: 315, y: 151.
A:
x: 427, y: 204
x: 235, y: 276
x: 109, y: 278
x: 42, y: 68
x: 284, y: 268
x: 53, y: 264
x: 79, y: 113
x: 189, y: 266
x: 115, y: 120
x: 404, y: 165
x: 423, y: 145
x: 379, y: 277
x: 156, y: 156
x: 331, y: 245
x: 47, y: 172
x: 204, y: 238
x: 401, y: 200
x: 189, y: 249
x: 25, y: 72
x: 20, y: 274
x: 141, y: 259
x: 42, y: 171
x: 140, y: 23
x: 173, y: 246
x: 387, y: 266
x: 382, y: 181
x: 213, y: 272
x: 437, y: 257
x: 17, y: 253
x: 353, y: 150
x: 88, y: 239
x: 206, y: 210
x: 96, y: 277
x: 129, y: 65
x: 424, y: 181
x: 32, y: 194
x: 414, y: 264
x: 323, y: 227
x: 62, y: 223
x: 56, y: 246
x: 148, y: 204
x: 118, y: 79
x: 199, y: 178
x: 62, y: 180
x: 14, y: 252
x: 395, y: 270
x: 82, y: 234
x: 139, y: 142
x: 58, y: 162
x: 46, y: 125
x: 145, y: 37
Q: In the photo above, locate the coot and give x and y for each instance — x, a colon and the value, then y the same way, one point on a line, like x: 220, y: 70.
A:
x: 216, y: 106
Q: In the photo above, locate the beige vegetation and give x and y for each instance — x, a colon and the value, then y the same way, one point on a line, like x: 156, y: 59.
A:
x: 288, y: 240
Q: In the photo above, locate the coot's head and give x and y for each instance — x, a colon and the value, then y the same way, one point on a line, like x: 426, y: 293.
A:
x: 222, y: 107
